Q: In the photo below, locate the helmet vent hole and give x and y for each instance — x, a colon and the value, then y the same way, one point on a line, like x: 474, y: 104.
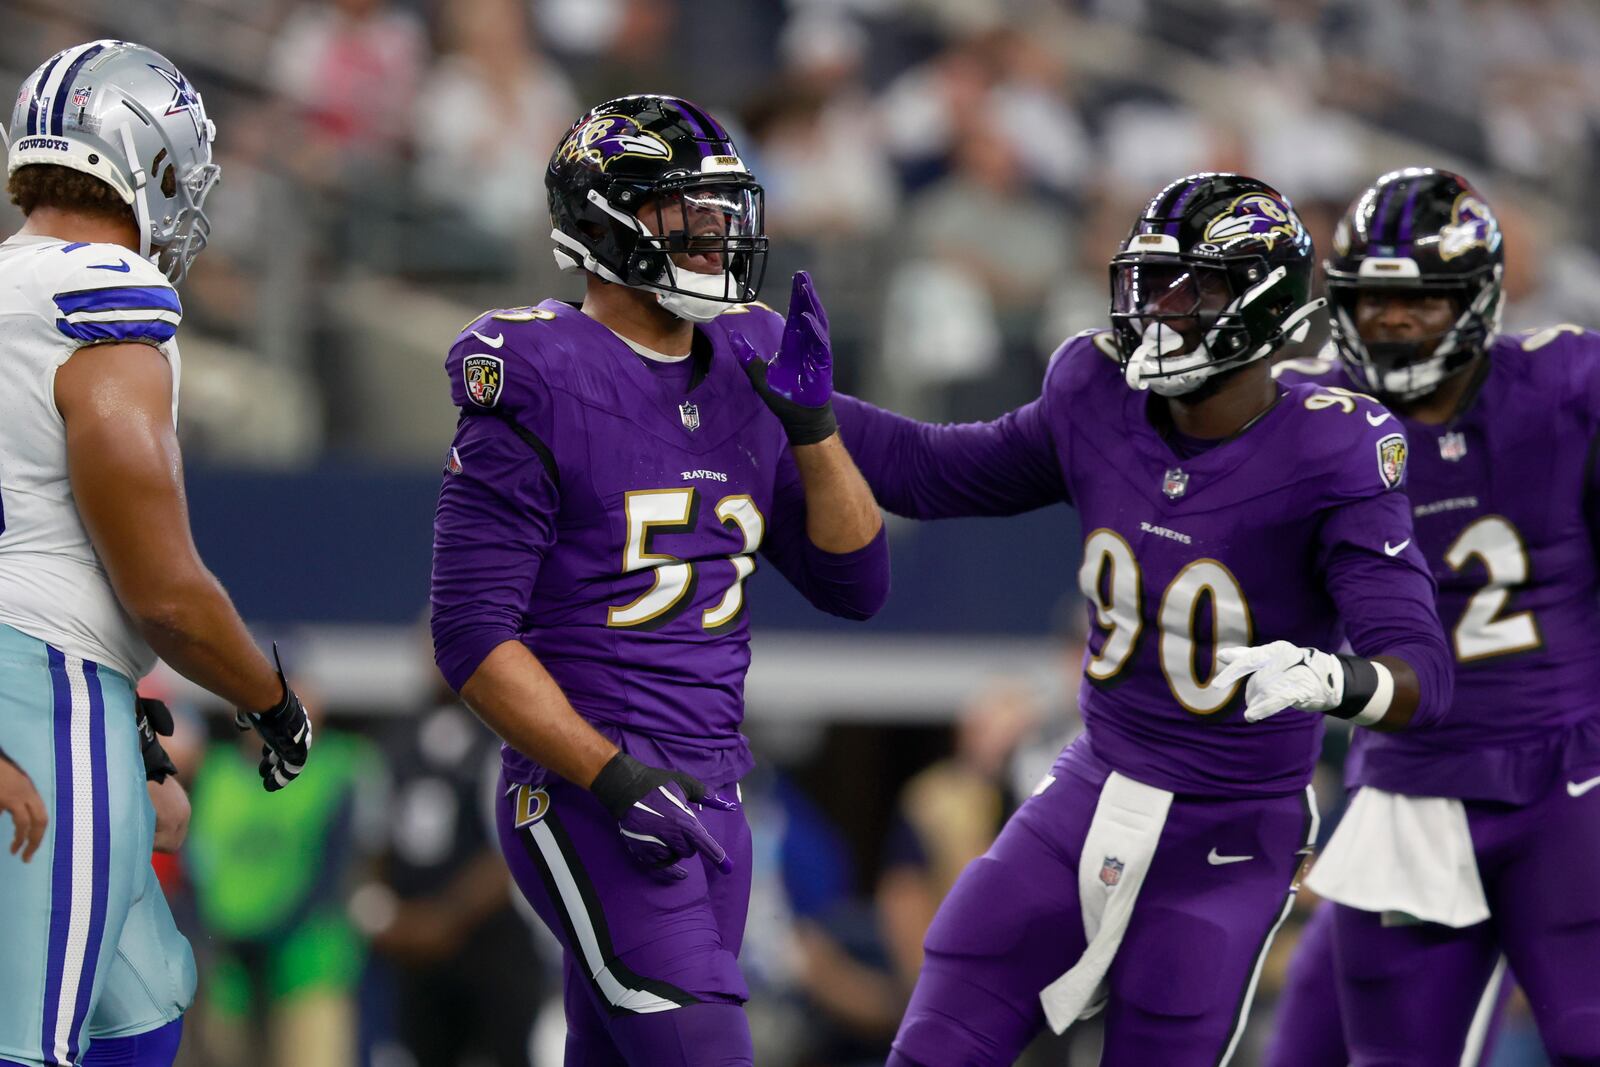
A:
x: 169, y: 180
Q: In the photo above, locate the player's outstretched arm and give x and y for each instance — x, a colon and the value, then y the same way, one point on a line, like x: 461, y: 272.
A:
x: 513, y: 693
x: 127, y: 479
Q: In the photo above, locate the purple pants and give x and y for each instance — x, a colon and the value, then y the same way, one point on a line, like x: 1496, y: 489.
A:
x: 1309, y: 1032
x: 1182, y: 981
x: 1408, y: 993
x: 651, y: 969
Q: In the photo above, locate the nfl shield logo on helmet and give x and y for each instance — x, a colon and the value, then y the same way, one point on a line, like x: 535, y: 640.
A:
x: 483, y: 376
x: 1453, y: 446
x: 690, y: 416
x: 1175, y: 483
x: 80, y: 96
x: 1392, y: 459
x: 1111, y: 872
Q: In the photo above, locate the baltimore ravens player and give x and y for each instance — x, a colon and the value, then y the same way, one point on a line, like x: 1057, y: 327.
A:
x: 1237, y: 533
x: 110, y: 162
x: 1476, y: 838
x: 615, y: 469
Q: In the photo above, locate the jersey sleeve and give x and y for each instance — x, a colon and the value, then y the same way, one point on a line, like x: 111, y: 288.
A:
x: 495, y: 520
x: 927, y: 471
x: 851, y: 585
x: 1378, y: 578
x: 496, y: 516
x: 106, y: 294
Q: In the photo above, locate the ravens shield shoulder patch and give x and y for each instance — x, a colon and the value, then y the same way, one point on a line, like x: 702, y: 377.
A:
x: 484, y: 377
x: 1392, y: 459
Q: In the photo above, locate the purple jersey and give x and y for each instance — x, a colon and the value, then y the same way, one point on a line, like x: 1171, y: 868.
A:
x: 1288, y: 531
x: 606, y: 511
x: 1505, y: 499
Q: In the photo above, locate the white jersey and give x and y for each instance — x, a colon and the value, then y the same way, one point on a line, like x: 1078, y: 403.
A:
x: 54, y: 299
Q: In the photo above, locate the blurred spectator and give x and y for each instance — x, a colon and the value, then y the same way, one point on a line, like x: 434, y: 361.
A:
x: 823, y: 163
x: 821, y: 990
x: 488, y: 117
x: 271, y: 873
x: 441, y: 913
x: 997, y: 251
x: 351, y: 69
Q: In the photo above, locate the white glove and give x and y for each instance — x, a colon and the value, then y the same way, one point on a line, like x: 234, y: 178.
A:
x: 1282, y: 676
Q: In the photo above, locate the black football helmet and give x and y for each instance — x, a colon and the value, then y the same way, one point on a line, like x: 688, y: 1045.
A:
x: 1420, y: 231
x: 649, y: 192
x: 1215, y: 274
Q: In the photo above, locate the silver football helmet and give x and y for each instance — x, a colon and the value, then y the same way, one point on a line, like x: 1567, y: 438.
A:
x: 123, y: 113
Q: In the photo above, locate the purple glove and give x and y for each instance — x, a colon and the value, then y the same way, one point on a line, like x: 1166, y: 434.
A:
x: 653, y: 814
x: 797, y: 383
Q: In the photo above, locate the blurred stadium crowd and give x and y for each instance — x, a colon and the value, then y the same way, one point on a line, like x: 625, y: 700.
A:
x: 955, y: 173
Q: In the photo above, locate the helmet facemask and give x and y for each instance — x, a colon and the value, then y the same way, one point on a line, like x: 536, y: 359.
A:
x: 1405, y: 371
x: 1178, y: 323
x: 169, y: 198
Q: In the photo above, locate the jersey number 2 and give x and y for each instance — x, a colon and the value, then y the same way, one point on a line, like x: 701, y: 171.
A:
x: 1111, y: 581
x: 651, y: 511
x: 1483, y: 631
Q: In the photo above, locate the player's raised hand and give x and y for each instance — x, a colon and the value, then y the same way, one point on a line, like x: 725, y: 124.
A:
x: 652, y: 810
x: 26, y: 807
x: 1282, y: 675
x: 285, y: 731
x: 797, y: 382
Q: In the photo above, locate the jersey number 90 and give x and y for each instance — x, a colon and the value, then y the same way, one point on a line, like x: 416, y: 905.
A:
x: 1111, y: 581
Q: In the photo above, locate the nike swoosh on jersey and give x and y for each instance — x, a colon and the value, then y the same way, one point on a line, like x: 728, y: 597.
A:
x: 495, y: 342
x: 120, y: 266
x: 1395, y: 550
x: 1379, y: 421
x: 1577, y: 789
x: 1217, y: 860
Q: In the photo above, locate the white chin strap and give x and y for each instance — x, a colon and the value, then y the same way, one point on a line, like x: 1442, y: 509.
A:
x: 1147, y: 370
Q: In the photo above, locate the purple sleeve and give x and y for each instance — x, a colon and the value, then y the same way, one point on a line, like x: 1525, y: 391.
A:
x: 927, y: 471
x: 494, y: 523
x: 1386, y: 595
x: 852, y: 585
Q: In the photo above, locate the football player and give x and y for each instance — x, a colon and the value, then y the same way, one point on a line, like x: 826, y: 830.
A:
x: 1474, y: 839
x: 110, y: 162
x: 616, y: 468
x: 1237, y: 532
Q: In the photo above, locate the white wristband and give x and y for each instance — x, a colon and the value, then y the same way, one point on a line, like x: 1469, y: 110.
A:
x: 1382, y: 697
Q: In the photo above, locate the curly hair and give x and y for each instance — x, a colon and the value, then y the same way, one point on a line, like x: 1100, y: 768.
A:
x: 47, y: 185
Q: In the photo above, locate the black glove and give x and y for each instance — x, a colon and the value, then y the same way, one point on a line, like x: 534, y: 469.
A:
x: 155, y: 722
x: 652, y: 812
x: 286, y: 731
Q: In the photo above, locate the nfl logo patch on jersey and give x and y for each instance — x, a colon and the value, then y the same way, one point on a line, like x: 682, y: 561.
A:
x: 483, y: 377
x: 1111, y: 872
x: 1453, y: 447
x: 690, y: 414
x: 452, y: 463
x: 1392, y: 459
x: 1175, y: 483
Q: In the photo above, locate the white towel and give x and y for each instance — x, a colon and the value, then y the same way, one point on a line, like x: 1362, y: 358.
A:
x: 1411, y: 855
x: 1117, y: 852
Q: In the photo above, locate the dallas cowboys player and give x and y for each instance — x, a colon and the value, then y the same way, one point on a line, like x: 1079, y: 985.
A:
x: 615, y: 469
x: 1236, y: 531
x: 1476, y: 838
x: 110, y: 162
